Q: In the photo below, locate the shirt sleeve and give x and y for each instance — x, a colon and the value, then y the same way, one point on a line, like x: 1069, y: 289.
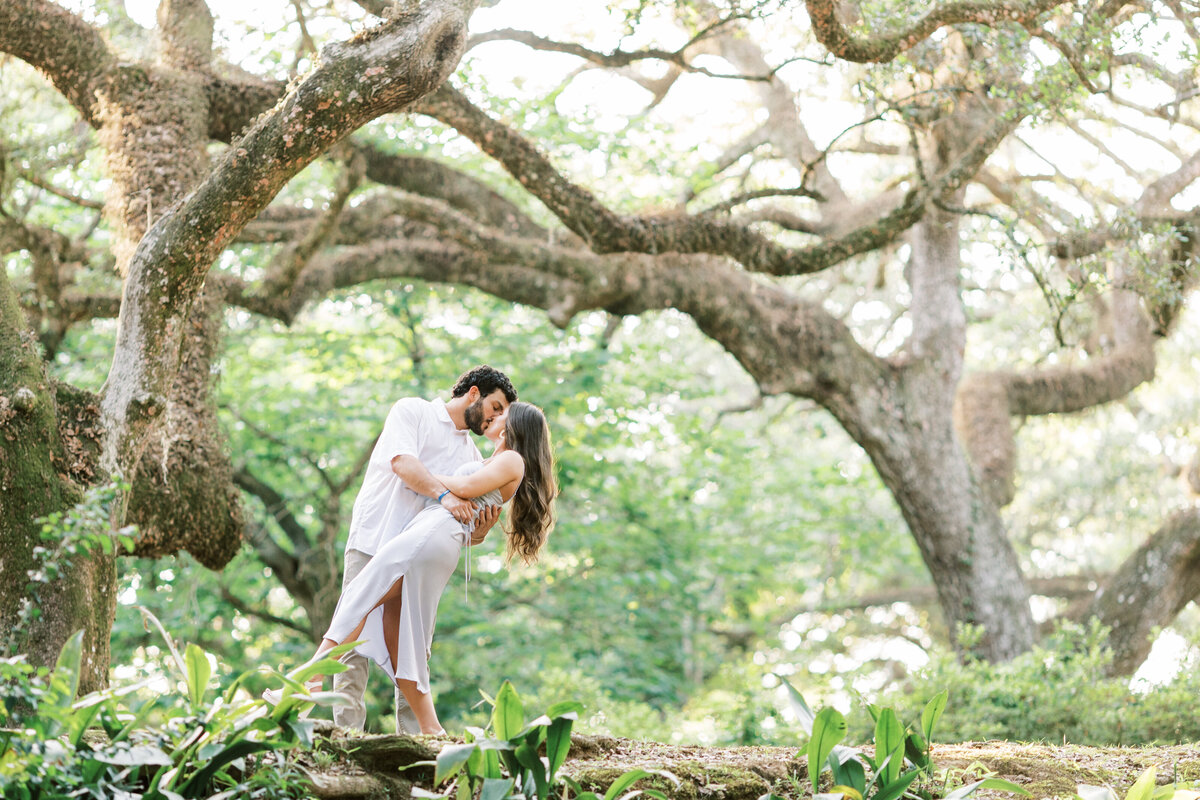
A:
x: 402, y: 434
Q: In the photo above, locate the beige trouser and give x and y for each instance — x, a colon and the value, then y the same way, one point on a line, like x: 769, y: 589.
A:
x: 353, y: 682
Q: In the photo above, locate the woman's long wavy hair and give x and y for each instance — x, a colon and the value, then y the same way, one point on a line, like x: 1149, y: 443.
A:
x: 532, y: 516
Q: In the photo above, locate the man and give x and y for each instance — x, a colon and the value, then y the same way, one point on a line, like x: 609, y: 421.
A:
x: 419, y: 438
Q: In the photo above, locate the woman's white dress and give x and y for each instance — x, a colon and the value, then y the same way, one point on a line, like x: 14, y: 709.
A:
x: 425, y: 554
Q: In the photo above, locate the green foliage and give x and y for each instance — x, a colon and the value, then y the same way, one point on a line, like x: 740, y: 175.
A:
x: 507, y: 764
x: 895, y: 747
x: 204, y: 743
x: 1144, y: 788
x: 1058, y: 692
x: 66, y: 537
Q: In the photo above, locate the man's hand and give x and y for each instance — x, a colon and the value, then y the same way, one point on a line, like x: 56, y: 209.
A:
x: 487, y: 518
x: 461, y: 510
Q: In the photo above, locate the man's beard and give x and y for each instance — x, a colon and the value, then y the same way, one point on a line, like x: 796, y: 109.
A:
x: 473, y: 416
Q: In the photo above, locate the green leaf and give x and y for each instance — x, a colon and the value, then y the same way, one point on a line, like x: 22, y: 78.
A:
x: 70, y: 660
x: 491, y: 764
x: 829, y: 728
x: 198, y: 673
x: 451, y: 759
x: 623, y: 782
x: 527, y: 755
x: 917, y: 751
x: 302, y: 729
x: 496, y: 788
x: 508, y: 716
x: 568, y: 709
x: 963, y: 792
x: 800, y: 708
x: 894, y: 789
x: 558, y: 742
x: 932, y: 713
x: 848, y: 773
x: 889, y: 741
x: 175, y: 657
x: 79, y: 722
x: 198, y: 784
x: 1143, y: 787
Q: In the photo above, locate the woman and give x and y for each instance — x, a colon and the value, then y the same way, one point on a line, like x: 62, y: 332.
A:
x: 392, y: 604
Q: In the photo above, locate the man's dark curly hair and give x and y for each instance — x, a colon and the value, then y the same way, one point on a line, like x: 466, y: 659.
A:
x: 488, y: 379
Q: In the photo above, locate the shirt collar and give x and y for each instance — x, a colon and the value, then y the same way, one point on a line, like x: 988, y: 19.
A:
x: 443, y: 416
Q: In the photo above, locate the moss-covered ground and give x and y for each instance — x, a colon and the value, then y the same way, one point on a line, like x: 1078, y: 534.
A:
x: 346, y: 765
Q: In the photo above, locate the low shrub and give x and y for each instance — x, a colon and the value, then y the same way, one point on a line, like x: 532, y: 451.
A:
x: 205, y: 743
x: 1056, y: 693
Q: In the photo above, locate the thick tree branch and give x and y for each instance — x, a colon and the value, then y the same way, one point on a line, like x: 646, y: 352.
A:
x: 1065, y: 390
x: 69, y: 51
x: 236, y: 99
x: 287, y: 265
x: 1150, y: 589
x: 607, y: 232
x: 783, y: 127
x: 355, y: 82
x: 1157, y: 196
x: 433, y: 179
x: 758, y: 194
x: 781, y: 217
x: 842, y: 43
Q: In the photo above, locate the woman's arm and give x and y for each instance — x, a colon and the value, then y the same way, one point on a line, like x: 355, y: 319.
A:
x: 503, y: 469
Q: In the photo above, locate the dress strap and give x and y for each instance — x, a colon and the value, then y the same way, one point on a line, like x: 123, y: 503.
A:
x: 467, y: 582
x: 468, y: 530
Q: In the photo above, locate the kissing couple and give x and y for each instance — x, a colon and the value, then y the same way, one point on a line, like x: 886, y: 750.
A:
x: 427, y: 493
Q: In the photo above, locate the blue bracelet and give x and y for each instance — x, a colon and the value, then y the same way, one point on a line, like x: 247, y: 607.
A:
x: 443, y: 494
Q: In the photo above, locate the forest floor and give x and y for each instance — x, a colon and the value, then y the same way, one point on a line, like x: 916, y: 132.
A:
x: 347, y: 765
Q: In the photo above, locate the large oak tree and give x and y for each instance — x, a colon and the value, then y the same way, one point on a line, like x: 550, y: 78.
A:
x: 949, y: 99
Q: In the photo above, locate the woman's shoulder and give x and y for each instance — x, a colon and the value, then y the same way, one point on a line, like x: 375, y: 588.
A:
x: 509, y: 460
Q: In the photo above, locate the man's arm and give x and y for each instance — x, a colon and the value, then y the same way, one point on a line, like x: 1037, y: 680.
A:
x: 420, y: 480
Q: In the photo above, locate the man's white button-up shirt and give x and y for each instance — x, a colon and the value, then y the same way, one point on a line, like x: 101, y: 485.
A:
x: 385, y: 506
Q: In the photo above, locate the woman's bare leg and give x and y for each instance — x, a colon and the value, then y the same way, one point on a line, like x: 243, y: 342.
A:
x: 391, y: 625
x: 422, y: 706
x: 421, y: 703
x: 393, y: 594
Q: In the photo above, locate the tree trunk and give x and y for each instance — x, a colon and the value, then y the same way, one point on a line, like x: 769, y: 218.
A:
x: 172, y: 215
x: 36, y: 479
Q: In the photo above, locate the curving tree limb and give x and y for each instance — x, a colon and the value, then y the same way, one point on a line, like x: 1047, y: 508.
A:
x: 834, y: 35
